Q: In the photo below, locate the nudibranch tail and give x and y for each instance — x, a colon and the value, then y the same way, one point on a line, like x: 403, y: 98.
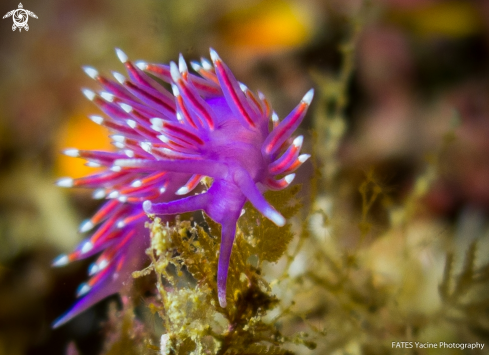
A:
x: 209, y: 125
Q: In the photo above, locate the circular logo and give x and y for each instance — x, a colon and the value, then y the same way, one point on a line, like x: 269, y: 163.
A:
x: 20, y: 17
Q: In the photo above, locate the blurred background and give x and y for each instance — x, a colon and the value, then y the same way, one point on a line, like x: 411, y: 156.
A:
x: 420, y: 68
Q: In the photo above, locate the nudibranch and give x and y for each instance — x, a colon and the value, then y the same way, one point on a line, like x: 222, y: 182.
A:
x: 211, y: 125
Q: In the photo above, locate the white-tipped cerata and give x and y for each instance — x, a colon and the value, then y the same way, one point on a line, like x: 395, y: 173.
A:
x: 307, y: 99
x: 83, y: 289
x: 103, y: 264
x: 61, y: 260
x: 96, y: 119
x: 175, y: 73
x: 113, y: 194
x: 121, y: 55
x: 298, y: 142
x: 98, y: 194
x: 243, y: 87
x: 85, y: 226
x: 86, y: 247
x: 277, y: 218
x: 274, y: 116
x: 206, y: 64
x: 146, y: 146
x: 182, y: 65
x: 93, y: 269
x: 119, y: 77
x: 65, y: 182
x: 163, y: 138
x: 118, y: 138
x: 147, y: 206
x: 303, y: 157
x: 72, y: 152
x: 90, y: 71
x: 157, y: 122
x: 141, y: 65
x: 126, y: 107
x: 107, y: 96
x: 89, y: 94
x: 182, y: 191
x: 214, y: 55
x: 175, y: 90
x: 196, y: 66
x: 136, y: 183
x: 131, y: 123
x: 289, y: 178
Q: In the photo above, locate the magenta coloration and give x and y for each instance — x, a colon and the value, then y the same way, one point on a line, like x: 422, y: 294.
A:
x: 211, y: 126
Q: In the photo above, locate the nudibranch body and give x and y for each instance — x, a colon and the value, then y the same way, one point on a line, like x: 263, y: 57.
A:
x: 212, y: 126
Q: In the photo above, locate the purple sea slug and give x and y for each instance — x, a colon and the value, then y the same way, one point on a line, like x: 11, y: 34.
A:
x: 212, y: 126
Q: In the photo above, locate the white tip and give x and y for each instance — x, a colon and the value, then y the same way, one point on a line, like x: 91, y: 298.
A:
x: 118, y: 145
x: 243, y: 87
x: 71, y: 152
x: 179, y: 116
x: 206, y: 64
x: 175, y: 74
x: 119, y: 77
x: 182, y: 191
x: 196, y: 66
x: 122, y: 199
x: 162, y: 191
x: 93, y: 269
x: 132, y: 123
x: 103, y: 264
x: 289, y: 178
x: 141, y: 65
x: 277, y: 218
x: 163, y: 138
x: 121, y: 224
x: 98, y: 194
x: 274, y: 117
x: 61, y: 260
x: 121, y: 55
x: 92, y: 164
x: 91, y: 72
x: 214, y: 55
x: 113, y: 194
x: 96, y: 119
x: 242, y: 212
x: 126, y: 107
x: 147, y: 206
x: 65, y: 182
x: 182, y: 66
x: 146, y: 146
x: 83, y: 289
x: 85, y: 226
x: 175, y: 90
x: 89, y: 94
x: 107, y: 96
x: 116, y: 168
x: 129, y: 153
x: 303, y: 157
x: 136, y: 183
x: 118, y: 138
x: 298, y: 141
x: 86, y: 247
x: 158, y: 122
x: 261, y: 96
x: 308, y: 97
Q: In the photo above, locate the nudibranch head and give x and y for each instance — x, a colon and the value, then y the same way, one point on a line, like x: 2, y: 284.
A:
x: 211, y: 125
